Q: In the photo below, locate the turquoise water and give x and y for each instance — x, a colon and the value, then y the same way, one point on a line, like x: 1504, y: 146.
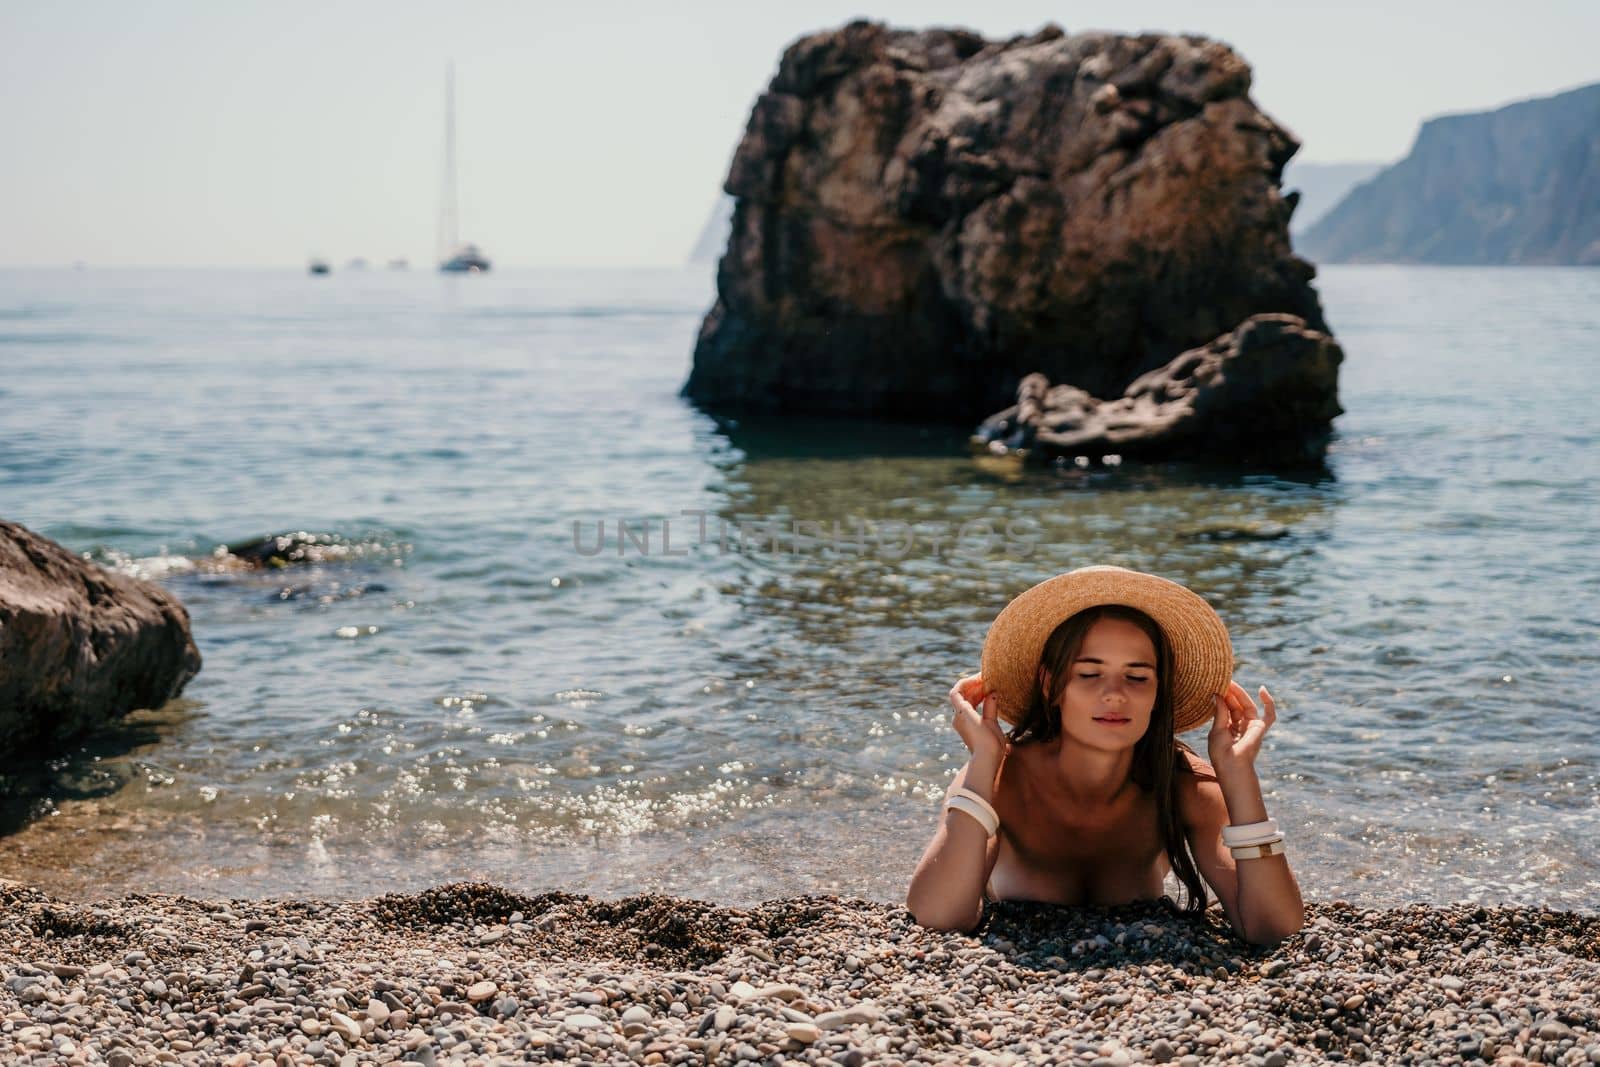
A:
x: 473, y: 693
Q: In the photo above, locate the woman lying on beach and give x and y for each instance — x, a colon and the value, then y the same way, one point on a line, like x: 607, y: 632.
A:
x: 1092, y: 799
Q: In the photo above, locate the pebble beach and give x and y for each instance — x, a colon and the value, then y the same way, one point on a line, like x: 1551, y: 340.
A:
x: 472, y: 973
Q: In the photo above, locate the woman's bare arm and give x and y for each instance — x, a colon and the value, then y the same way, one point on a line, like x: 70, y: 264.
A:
x: 947, y: 889
x: 1260, y: 896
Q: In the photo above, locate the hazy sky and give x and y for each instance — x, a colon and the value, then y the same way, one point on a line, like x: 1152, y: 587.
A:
x: 591, y: 132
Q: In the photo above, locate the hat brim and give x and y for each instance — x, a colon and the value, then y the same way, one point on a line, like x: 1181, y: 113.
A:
x: 1202, y: 654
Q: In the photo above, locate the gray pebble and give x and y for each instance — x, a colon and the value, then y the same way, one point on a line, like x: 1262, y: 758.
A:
x: 351, y: 982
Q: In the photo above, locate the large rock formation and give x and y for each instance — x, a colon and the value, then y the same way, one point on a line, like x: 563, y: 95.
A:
x: 1518, y: 185
x: 1250, y: 395
x: 79, y: 644
x: 924, y: 218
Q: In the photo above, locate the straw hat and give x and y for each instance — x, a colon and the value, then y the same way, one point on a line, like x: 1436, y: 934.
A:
x: 1202, y: 655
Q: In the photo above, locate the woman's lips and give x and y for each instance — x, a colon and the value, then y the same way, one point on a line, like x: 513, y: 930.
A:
x: 1111, y: 721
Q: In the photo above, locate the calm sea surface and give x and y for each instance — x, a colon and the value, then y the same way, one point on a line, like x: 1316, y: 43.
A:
x: 476, y: 694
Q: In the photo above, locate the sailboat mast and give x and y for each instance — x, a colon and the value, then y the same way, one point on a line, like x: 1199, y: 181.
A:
x: 449, y: 237
x: 454, y: 257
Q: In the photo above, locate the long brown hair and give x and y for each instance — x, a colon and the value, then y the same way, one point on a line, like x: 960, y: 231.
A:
x: 1158, y: 757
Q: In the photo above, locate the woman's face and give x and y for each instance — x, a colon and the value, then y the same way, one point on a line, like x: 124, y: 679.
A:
x: 1111, y: 690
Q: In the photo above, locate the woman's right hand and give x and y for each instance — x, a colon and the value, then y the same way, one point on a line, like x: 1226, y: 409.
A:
x: 980, y: 732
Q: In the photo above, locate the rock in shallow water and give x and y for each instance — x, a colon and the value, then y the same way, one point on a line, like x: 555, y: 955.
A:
x: 81, y: 645
x: 288, y: 549
x: 1265, y: 393
x: 922, y: 218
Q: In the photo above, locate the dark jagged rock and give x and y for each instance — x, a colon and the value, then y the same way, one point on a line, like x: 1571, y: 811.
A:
x: 1226, y: 532
x: 81, y: 645
x: 287, y: 549
x: 1518, y: 185
x: 924, y: 218
x: 1264, y: 393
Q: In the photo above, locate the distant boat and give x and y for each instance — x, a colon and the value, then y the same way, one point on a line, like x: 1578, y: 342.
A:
x: 356, y: 264
x: 468, y: 260
x: 320, y: 266
x: 399, y: 264
x: 454, y: 257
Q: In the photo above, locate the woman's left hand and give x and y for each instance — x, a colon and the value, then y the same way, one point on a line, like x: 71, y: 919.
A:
x: 1237, y: 730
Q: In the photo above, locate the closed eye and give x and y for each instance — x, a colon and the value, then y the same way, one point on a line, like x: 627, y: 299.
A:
x: 1131, y: 678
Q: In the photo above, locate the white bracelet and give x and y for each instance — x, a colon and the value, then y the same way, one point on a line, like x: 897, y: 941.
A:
x: 977, y: 798
x: 1242, y: 833
x: 1248, y: 834
x: 966, y: 805
x: 1253, y: 852
x: 966, y: 800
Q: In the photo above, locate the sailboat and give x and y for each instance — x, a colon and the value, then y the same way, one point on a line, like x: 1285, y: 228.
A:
x: 454, y: 257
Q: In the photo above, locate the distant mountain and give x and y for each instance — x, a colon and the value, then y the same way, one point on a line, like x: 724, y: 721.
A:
x: 1321, y: 186
x: 1517, y: 185
x: 713, y: 240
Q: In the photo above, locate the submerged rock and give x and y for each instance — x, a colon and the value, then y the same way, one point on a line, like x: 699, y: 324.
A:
x: 1223, y: 532
x: 1266, y: 392
x: 288, y: 549
x: 922, y: 219
x: 81, y: 645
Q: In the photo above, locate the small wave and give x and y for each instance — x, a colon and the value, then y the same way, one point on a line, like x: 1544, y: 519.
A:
x: 148, y: 568
x: 299, y: 547
x: 348, y: 633
x: 247, y: 558
x: 26, y: 468
x: 1531, y: 483
x: 467, y: 701
x: 30, y: 312
x: 598, y: 312
x: 64, y: 337
x: 326, y: 593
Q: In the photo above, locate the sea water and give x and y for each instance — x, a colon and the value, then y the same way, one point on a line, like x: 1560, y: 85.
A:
x: 482, y: 687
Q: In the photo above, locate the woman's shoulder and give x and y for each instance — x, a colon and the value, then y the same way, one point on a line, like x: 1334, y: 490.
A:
x: 1199, y: 793
x: 1201, y: 770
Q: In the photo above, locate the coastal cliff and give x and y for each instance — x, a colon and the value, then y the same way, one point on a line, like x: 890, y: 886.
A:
x: 1321, y: 186
x: 1518, y: 185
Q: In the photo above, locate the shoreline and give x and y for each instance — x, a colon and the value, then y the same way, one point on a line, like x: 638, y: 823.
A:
x: 470, y: 972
